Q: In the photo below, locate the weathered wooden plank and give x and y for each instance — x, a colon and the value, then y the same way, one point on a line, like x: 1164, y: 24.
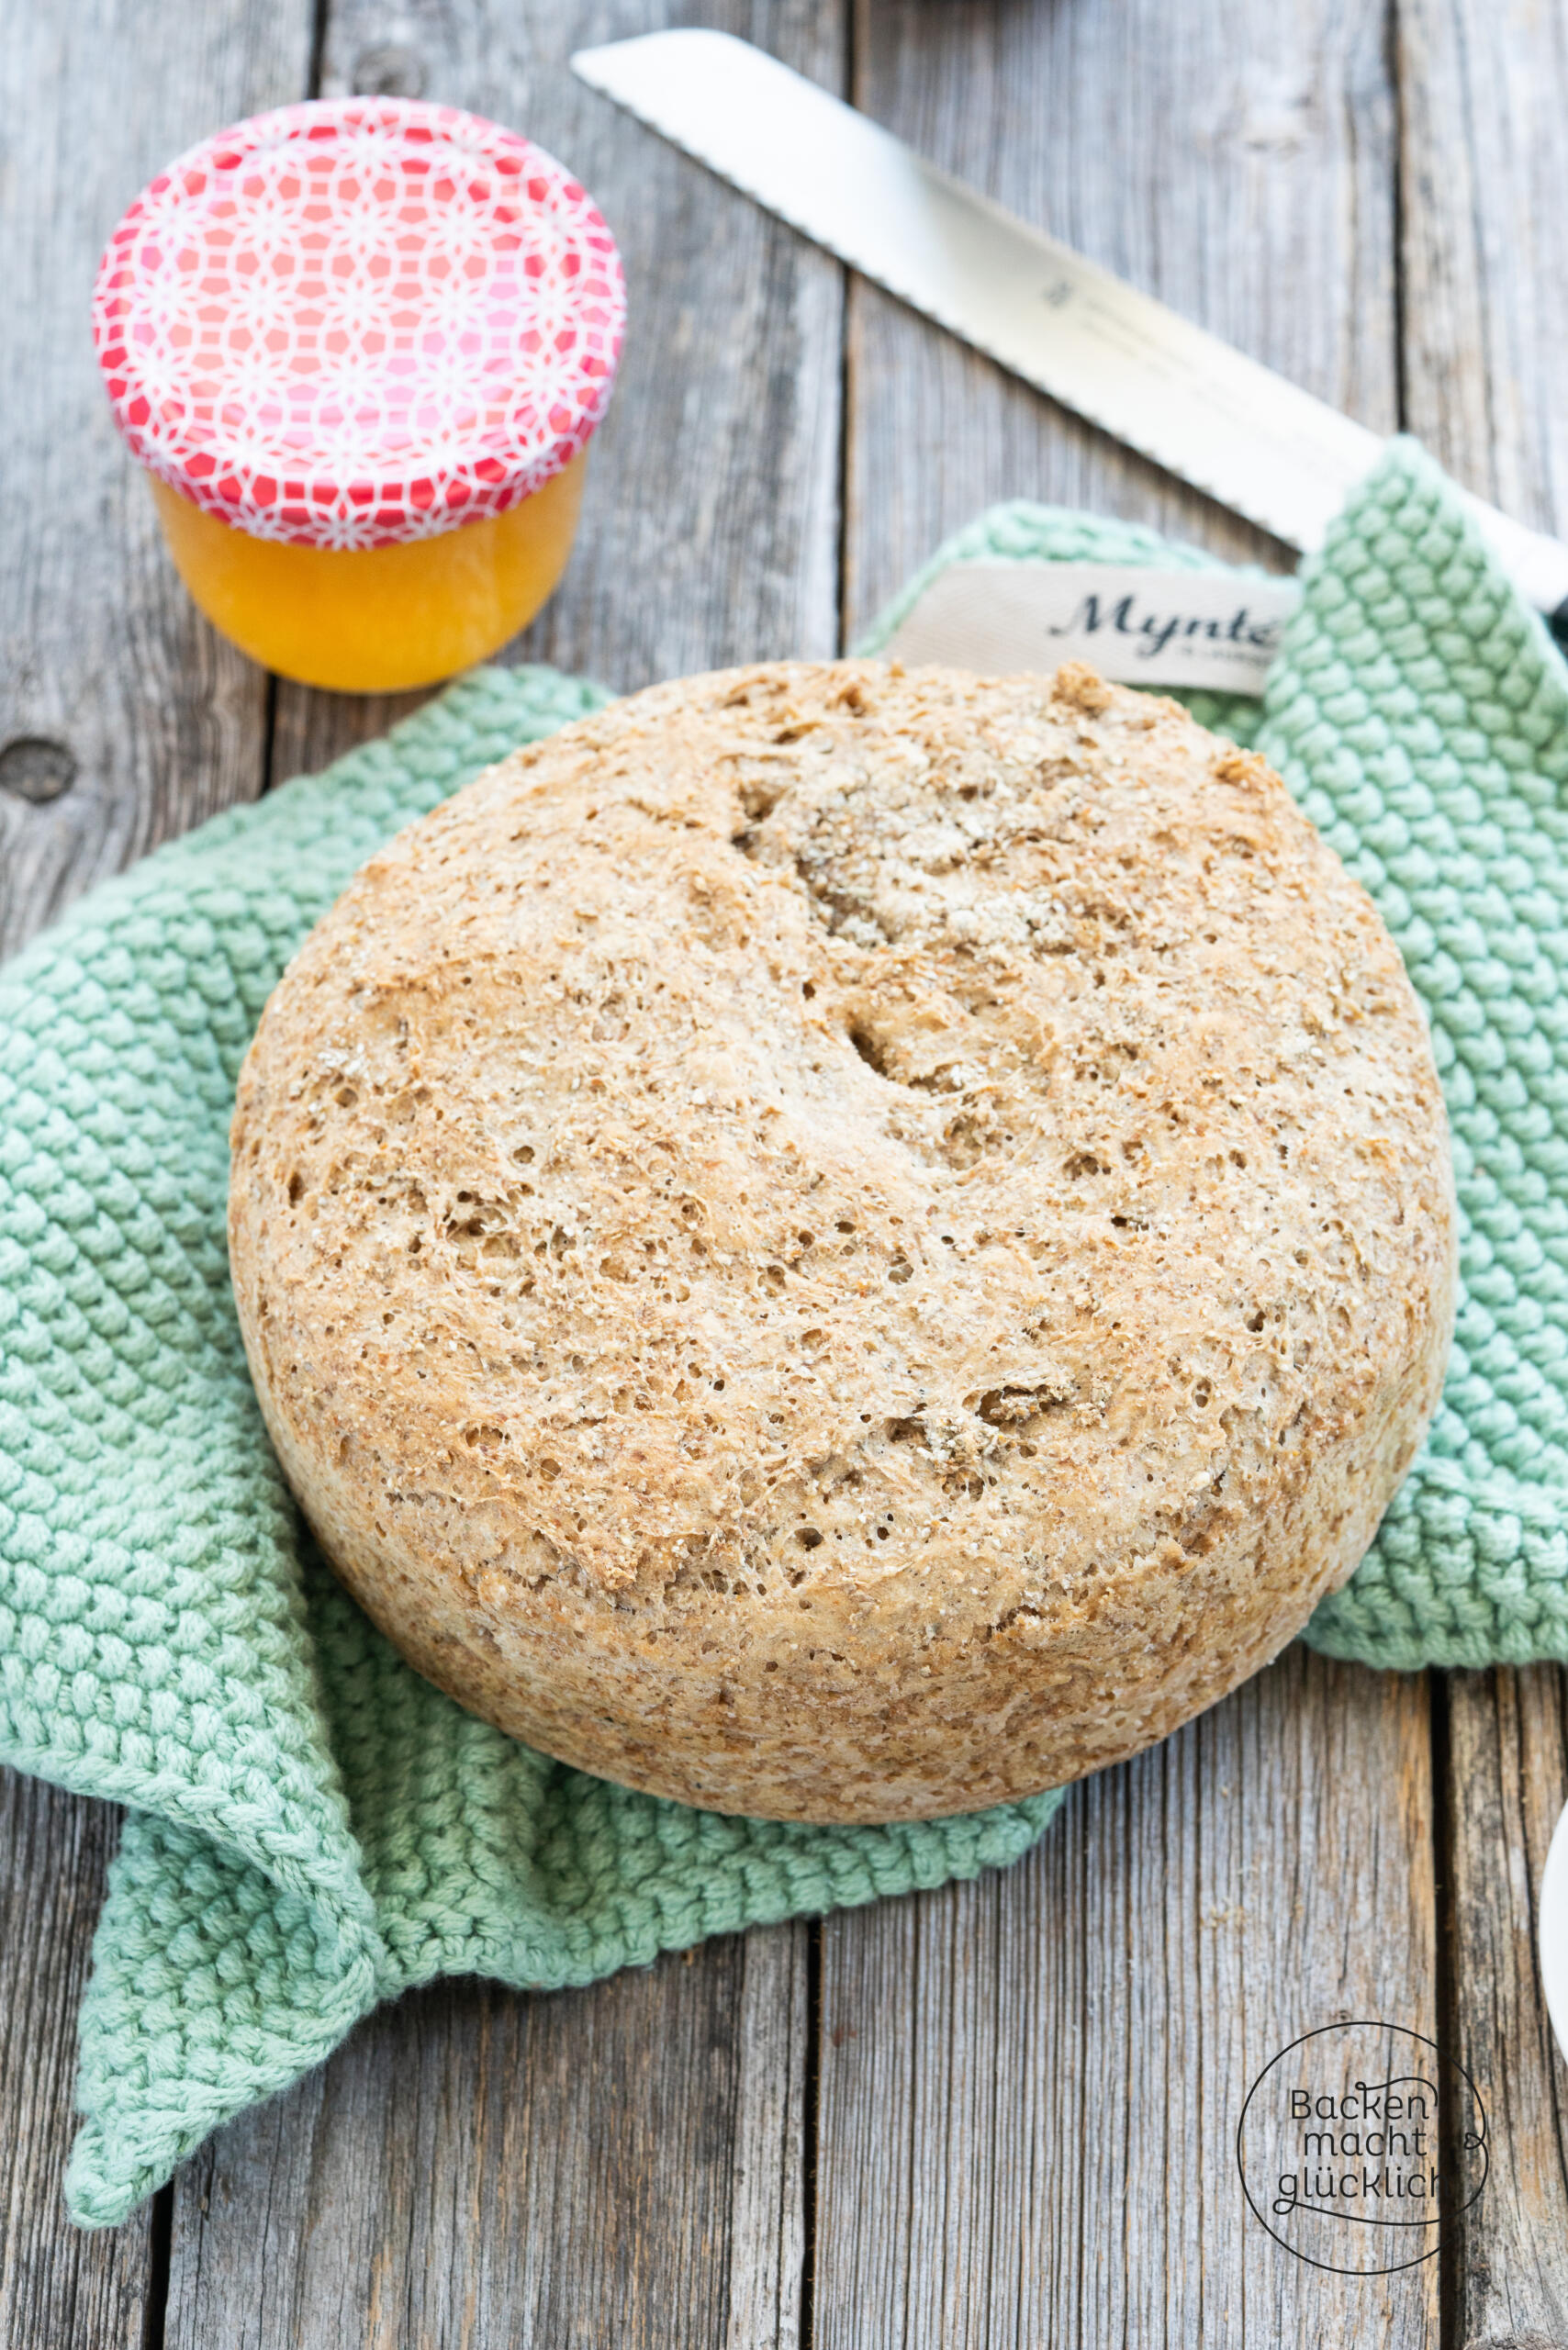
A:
x: 93, y: 2292
x: 1485, y: 85
x: 767, y: 2214
x: 1236, y: 160
x: 122, y: 718
x: 1031, y: 2137
x: 1030, y: 2086
x: 1507, y: 1779
x: 622, y: 2165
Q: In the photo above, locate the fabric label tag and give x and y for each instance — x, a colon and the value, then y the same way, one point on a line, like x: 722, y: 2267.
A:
x: 1133, y: 624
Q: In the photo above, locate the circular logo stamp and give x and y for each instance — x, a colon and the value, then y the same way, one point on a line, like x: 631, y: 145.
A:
x: 1359, y: 2144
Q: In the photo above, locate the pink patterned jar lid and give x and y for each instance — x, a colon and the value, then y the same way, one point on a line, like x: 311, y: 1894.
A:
x: 359, y: 321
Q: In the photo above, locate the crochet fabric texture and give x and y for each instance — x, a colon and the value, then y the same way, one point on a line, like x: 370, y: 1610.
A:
x: 313, y: 1828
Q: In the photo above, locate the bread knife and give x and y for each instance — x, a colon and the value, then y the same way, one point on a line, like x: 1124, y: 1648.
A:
x: 1232, y: 428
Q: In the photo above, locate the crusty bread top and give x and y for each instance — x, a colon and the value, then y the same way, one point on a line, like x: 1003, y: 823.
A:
x: 824, y: 1126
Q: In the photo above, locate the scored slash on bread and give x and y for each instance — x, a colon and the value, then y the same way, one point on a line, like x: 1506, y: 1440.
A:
x: 845, y: 1244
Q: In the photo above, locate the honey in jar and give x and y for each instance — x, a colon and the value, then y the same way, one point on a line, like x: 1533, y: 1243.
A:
x: 361, y: 346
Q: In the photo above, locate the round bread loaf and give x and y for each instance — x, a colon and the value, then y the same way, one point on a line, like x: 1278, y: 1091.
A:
x: 842, y: 1244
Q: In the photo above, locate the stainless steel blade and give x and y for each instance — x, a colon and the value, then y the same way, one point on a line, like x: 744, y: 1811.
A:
x: 1232, y: 428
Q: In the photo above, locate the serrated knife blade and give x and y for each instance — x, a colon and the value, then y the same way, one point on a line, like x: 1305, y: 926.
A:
x: 1229, y: 426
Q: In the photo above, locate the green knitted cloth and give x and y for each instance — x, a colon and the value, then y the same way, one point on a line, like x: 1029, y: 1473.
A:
x: 312, y: 1827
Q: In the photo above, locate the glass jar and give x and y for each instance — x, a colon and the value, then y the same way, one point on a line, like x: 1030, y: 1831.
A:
x: 360, y: 346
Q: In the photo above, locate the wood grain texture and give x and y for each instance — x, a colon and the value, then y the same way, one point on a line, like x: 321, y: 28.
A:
x: 617, y: 2165
x: 1485, y: 95
x: 1507, y: 1781
x: 112, y: 688
x: 92, y: 2293
x: 1030, y: 2086
x: 1484, y: 87
x: 110, y: 682
x: 1234, y: 159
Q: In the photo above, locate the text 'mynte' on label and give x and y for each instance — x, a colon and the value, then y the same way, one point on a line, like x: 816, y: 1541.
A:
x: 1135, y: 625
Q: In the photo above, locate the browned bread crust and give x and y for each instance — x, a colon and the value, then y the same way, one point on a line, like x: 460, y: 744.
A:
x: 846, y: 1244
